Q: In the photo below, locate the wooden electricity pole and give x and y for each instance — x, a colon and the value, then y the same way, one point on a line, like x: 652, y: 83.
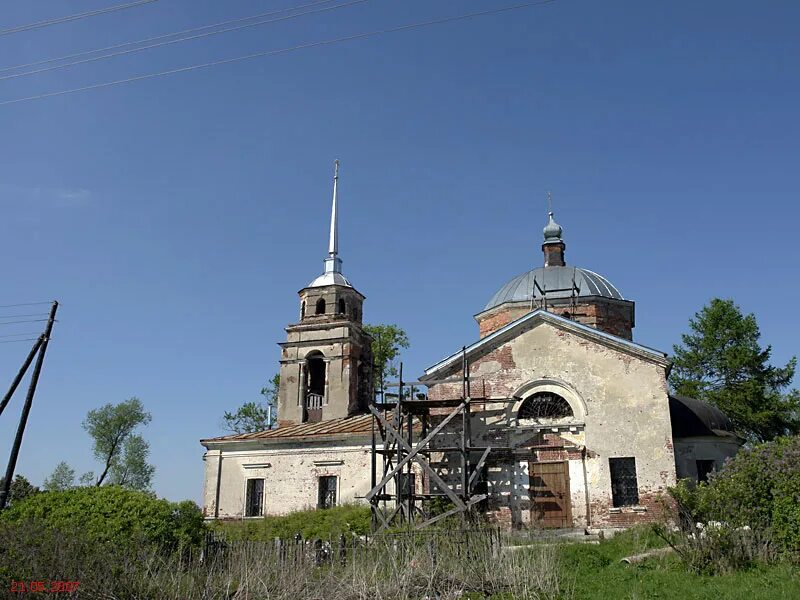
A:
x: 26, y: 409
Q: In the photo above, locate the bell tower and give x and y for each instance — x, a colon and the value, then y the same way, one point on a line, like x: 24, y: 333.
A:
x: 326, y: 360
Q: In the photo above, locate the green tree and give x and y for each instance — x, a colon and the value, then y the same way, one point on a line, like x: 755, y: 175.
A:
x: 62, y: 478
x: 387, y: 340
x: 122, y: 452
x: 253, y: 416
x: 111, y: 513
x: 20, y: 489
x: 721, y: 362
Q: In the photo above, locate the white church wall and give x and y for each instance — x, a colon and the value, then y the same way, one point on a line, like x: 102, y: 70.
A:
x: 291, y: 477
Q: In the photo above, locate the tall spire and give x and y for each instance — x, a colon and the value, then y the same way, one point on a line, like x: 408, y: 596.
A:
x: 333, y: 244
x: 333, y: 264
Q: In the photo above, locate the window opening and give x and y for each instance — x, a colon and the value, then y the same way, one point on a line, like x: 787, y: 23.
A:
x: 327, y: 491
x: 624, y: 486
x: 320, y: 307
x: 254, y: 503
x: 704, y: 469
x: 545, y: 405
x: 315, y: 388
x: 342, y: 307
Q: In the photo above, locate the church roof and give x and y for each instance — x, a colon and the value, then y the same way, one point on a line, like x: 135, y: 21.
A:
x: 358, y: 425
x: 694, y: 418
x: 556, y: 282
x: 539, y: 315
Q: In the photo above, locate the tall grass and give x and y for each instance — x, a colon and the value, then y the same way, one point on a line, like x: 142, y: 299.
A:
x: 444, y: 565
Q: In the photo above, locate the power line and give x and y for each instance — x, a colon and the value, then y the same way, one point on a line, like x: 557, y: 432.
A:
x: 25, y: 304
x: 156, y: 38
x: 184, y: 39
x: 25, y: 340
x: 28, y: 315
x: 75, y: 17
x: 8, y: 335
x: 26, y: 321
x: 329, y: 42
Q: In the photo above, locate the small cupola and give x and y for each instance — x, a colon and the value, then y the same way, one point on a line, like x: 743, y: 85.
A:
x: 553, y: 246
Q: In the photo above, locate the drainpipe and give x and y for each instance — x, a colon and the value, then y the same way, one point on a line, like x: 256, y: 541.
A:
x: 219, y: 480
x: 586, y: 488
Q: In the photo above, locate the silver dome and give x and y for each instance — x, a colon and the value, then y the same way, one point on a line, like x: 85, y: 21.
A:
x: 522, y: 287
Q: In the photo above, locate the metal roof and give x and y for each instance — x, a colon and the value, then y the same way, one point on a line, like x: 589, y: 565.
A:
x: 557, y: 283
x: 691, y: 417
x: 359, y: 425
x: 330, y: 278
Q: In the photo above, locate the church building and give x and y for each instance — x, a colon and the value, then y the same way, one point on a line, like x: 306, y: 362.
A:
x: 590, y: 435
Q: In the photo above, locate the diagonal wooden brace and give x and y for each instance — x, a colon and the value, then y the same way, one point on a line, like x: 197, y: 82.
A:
x: 420, y: 445
x: 474, y: 500
x: 478, y: 467
x: 421, y: 462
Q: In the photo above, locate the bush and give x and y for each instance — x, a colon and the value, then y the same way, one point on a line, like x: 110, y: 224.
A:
x: 112, y: 514
x: 759, y: 488
x: 310, y: 524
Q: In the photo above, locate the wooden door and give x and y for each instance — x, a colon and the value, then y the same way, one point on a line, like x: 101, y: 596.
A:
x: 549, y: 493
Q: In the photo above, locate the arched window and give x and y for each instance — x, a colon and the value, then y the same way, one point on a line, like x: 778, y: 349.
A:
x: 302, y: 309
x: 545, y: 406
x: 342, y: 307
x: 320, y: 307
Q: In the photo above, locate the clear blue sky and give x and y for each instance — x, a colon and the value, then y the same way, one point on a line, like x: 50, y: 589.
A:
x: 176, y: 218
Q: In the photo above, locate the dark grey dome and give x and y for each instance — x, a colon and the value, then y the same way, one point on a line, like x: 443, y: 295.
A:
x: 549, y: 279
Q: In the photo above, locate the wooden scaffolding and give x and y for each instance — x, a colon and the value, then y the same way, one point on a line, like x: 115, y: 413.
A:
x: 408, y: 430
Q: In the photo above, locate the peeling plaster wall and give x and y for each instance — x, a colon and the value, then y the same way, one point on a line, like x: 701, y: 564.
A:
x: 690, y: 450
x: 290, y: 474
x: 621, y: 409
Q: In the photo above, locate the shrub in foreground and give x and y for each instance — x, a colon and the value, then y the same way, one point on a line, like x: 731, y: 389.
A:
x: 759, y: 489
x: 112, y: 514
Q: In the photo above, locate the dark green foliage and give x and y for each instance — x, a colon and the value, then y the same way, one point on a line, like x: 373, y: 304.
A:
x: 252, y: 416
x: 758, y: 488
x: 721, y: 362
x: 20, y: 489
x: 112, y: 514
x: 122, y: 452
x: 310, y: 524
x: 387, y: 340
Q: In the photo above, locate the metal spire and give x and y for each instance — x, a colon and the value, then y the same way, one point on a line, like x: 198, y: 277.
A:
x: 333, y: 245
x: 333, y: 264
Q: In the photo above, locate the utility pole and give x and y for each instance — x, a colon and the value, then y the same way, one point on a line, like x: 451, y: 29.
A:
x: 26, y: 409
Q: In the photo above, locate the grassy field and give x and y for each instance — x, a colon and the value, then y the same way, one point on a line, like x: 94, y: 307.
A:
x: 595, y: 571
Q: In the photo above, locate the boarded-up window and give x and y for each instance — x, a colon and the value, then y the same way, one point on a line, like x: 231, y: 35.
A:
x: 624, y: 486
x: 327, y: 491
x: 254, y: 503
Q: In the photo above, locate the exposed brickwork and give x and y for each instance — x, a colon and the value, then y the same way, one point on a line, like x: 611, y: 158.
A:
x: 653, y: 507
x: 612, y: 316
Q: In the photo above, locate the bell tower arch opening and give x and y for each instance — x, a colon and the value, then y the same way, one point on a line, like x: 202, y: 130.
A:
x: 315, y: 387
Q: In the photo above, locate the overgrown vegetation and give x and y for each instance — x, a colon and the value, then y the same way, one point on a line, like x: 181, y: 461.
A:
x: 310, y: 524
x: 591, y: 571
x: 109, y: 514
x: 753, y: 501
